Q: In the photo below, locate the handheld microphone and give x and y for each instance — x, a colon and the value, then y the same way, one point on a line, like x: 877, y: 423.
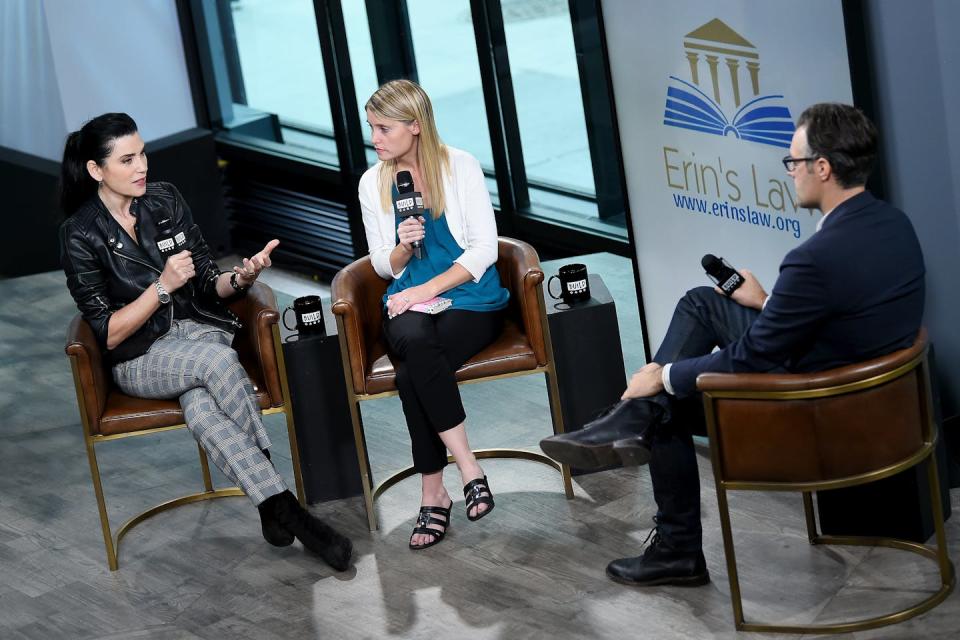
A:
x: 408, y: 202
x: 722, y: 274
x: 168, y: 241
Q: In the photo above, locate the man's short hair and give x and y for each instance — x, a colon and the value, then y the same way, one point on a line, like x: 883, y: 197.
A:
x: 845, y: 137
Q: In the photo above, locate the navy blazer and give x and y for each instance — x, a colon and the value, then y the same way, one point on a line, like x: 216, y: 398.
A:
x: 853, y: 291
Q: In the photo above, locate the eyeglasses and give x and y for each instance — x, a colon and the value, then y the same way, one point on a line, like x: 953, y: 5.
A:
x: 791, y: 163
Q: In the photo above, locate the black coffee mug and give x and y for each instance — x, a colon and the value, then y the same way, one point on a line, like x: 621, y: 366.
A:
x: 574, y: 284
x: 309, y: 315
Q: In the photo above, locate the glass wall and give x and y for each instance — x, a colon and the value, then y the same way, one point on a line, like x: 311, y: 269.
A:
x: 546, y: 85
x: 280, y: 63
x: 447, y: 68
x: 268, y: 61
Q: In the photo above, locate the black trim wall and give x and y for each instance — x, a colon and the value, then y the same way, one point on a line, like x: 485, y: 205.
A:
x: 187, y: 159
x: 31, y: 213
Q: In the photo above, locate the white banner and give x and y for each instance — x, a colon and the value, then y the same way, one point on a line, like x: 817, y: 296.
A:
x: 706, y: 94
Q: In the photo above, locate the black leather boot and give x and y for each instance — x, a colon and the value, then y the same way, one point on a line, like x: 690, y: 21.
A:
x: 661, y: 565
x: 312, y: 532
x: 629, y: 422
x: 273, y: 531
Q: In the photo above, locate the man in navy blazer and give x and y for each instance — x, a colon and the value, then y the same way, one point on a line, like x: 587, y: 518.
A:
x: 853, y: 291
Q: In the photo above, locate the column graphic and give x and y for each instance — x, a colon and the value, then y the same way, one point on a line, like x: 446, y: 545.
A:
x: 690, y: 105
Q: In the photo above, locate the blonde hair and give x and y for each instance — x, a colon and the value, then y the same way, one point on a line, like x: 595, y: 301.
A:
x: 405, y: 101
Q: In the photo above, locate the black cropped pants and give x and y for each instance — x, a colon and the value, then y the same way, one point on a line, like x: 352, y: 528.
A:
x: 426, y: 351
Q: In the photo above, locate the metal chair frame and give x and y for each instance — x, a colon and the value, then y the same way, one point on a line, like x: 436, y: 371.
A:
x: 925, y: 453
x: 373, y: 491
x: 112, y: 540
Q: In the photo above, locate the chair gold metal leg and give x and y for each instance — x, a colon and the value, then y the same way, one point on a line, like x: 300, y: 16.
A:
x: 811, y: 517
x: 205, y: 468
x: 101, y: 505
x: 359, y: 439
x: 730, y: 555
x: 553, y: 390
x: 288, y: 414
x: 556, y: 414
x: 946, y: 567
x: 90, y: 444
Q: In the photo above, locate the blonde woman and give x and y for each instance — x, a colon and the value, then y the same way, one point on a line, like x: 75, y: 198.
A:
x: 458, y: 234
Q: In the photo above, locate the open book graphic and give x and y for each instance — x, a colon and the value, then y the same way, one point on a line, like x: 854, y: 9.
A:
x: 760, y: 120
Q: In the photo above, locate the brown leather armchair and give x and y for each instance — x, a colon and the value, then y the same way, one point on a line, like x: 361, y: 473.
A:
x: 109, y: 414
x: 523, y: 348
x: 827, y: 430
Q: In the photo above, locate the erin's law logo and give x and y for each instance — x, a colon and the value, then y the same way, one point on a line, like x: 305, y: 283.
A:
x: 725, y: 55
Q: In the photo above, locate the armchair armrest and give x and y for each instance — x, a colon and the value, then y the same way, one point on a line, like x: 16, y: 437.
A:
x: 519, y: 268
x: 93, y: 380
x: 257, y: 311
x: 357, y: 291
x: 762, y: 383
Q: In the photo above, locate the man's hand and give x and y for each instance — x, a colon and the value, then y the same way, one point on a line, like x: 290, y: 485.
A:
x: 255, y: 264
x: 646, y: 382
x: 750, y: 294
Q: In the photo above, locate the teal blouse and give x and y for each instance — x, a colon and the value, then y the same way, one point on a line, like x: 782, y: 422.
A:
x: 438, y: 254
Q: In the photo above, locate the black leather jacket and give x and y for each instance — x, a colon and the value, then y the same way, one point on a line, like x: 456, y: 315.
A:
x: 106, y: 269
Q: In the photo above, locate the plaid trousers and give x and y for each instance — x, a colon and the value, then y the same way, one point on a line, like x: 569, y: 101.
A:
x: 196, y: 363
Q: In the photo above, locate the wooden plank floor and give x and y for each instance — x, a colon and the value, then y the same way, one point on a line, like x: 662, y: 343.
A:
x: 533, y: 569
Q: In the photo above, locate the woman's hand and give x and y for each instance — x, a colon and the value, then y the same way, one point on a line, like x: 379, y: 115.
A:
x: 399, y: 302
x: 410, y: 230
x: 178, y: 269
x: 255, y: 264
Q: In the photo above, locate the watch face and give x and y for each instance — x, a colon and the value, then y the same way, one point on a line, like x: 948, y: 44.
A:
x: 162, y: 294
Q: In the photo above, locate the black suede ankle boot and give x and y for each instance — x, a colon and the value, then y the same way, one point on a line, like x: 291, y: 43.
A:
x: 273, y: 531
x: 313, y: 533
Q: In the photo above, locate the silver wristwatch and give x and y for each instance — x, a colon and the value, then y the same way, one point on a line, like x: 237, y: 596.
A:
x: 161, y: 292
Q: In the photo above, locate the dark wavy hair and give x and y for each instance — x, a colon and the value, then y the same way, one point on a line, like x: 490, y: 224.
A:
x: 845, y: 137
x: 94, y: 141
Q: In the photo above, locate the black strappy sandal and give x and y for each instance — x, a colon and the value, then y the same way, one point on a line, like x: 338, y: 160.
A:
x: 478, y: 492
x: 426, y: 518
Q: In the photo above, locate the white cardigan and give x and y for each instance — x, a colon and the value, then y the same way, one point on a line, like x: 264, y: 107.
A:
x: 468, y: 212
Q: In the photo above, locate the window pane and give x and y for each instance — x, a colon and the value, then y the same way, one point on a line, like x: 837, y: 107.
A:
x: 447, y: 67
x: 280, y: 61
x: 361, y: 53
x: 546, y: 85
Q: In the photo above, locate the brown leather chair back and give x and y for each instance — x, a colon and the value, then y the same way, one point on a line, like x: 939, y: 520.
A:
x: 358, y: 291
x: 822, y: 426
x: 109, y: 411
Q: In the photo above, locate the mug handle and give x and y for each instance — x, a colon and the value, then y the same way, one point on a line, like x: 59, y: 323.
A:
x: 283, y: 318
x: 550, y: 282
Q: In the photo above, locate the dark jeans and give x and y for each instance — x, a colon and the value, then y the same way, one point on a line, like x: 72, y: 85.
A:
x: 426, y: 351
x: 702, y: 320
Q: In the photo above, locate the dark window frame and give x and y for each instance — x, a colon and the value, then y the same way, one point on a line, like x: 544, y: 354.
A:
x: 212, y: 82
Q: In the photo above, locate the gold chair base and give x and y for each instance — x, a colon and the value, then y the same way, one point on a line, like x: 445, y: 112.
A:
x: 113, y: 554
x: 371, y: 492
x: 938, y: 554
x: 923, y: 606
x: 481, y: 454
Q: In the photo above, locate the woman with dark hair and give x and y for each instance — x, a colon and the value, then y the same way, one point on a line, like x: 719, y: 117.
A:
x: 159, y: 317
